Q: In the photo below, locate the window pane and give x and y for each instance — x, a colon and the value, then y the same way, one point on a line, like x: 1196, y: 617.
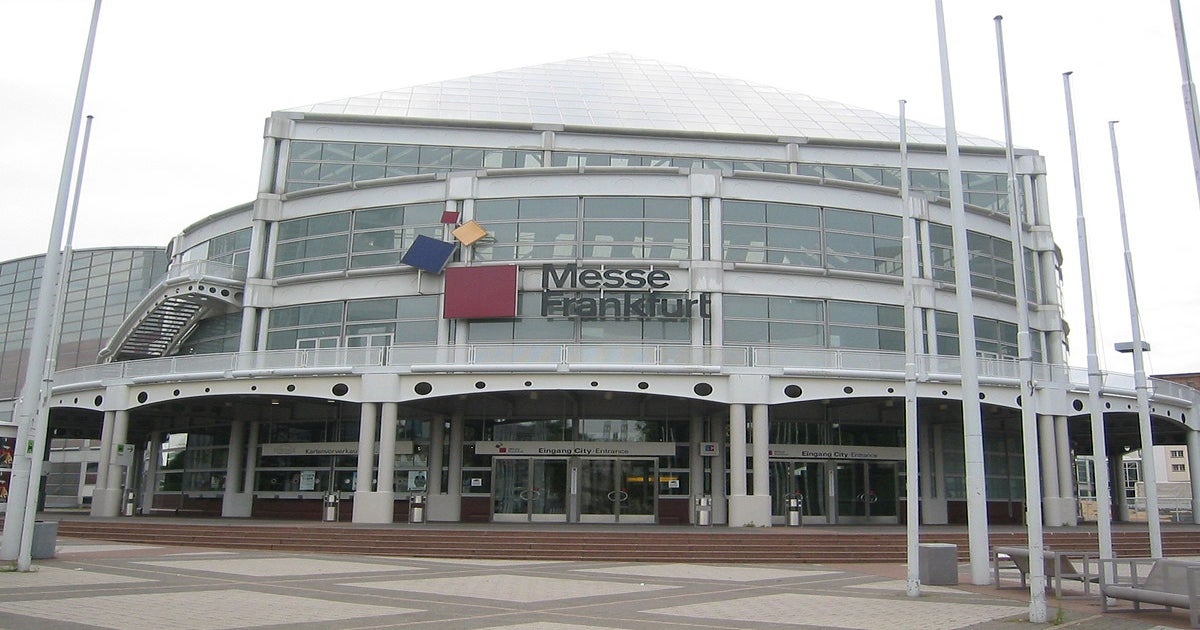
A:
x: 744, y: 212
x: 780, y: 214
x: 369, y: 310
x: 612, y: 208
x: 548, y: 208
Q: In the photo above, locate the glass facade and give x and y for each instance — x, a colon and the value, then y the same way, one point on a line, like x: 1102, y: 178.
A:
x: 371, y: 237
x: 103, y: 287
x: 356, y: 323
x: 314, y: 164
x: 232, y: 249
x: 630, y: 228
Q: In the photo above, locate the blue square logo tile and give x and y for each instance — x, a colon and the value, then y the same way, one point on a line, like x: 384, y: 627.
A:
x: 429, y: 254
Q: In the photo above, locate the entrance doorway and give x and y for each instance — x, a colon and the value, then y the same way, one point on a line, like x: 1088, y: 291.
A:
x: 833, y: 491
x: 576, y: 490
x: 529, y: 490
x: 617, y: 490
x: 866, y: 492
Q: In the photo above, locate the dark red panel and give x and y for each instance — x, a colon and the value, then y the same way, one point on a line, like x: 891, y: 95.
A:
x: 481, y: 292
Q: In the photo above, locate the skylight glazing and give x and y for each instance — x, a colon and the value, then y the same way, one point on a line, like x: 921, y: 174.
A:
x: 622, y: 91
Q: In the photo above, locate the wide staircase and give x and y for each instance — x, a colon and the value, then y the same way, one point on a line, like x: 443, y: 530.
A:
x: 615, y: 543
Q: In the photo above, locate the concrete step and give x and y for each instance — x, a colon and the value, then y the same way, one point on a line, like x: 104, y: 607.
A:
x: 620, y: 543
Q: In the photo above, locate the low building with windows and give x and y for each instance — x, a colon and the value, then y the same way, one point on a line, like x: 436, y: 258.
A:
x: 600, y: 290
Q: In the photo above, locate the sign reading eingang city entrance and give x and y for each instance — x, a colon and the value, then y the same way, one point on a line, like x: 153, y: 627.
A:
x: 622, y: 294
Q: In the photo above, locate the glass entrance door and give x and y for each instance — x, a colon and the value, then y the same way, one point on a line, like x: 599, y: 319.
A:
x: 867, y: 492
x: 617, y: 490
x: 529, y: 489
x: 803, y: 481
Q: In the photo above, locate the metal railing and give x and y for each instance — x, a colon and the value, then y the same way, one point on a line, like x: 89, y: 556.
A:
x: 632, y: 357
x: 197, y: 269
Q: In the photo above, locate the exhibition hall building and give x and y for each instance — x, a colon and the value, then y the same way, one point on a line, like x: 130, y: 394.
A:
x: 604, y: 290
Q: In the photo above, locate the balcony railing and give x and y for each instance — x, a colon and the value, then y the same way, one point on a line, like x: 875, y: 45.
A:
x: 596, y: 357
x: 197, y: 269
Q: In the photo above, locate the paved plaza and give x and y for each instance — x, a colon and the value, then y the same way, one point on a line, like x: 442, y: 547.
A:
x: 93, y: 584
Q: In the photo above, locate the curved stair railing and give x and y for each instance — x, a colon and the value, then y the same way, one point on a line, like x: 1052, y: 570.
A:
x: 188, y: 293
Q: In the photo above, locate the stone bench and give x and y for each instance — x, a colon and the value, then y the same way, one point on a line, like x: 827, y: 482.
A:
x: 1169, y: 583
x: 1056, y: 566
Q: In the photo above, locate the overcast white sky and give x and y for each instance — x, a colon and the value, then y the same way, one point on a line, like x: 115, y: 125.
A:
x: 179, y: 91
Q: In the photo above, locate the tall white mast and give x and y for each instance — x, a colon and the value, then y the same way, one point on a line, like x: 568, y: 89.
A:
x: 1149, y: 472
x: 977, y: 531
x: 1095, y: 380
x: 909, y: 266
x: 1029, y: 434
x: 31, y: 421
x: 1189, y: 91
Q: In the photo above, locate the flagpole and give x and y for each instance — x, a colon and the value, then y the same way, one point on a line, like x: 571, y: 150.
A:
x: 1189, y: 91
x: 1029, y: 434
x: 1149, y: 472
x: 1095, y: 381
x: 31, y: 422
x: 977, y: 526
x: 908, y: 267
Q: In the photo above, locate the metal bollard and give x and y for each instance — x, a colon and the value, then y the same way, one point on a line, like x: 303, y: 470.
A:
x: 416, y: 508
x: 703, y: 510
x: 794, y: 518
x: 330, y: 514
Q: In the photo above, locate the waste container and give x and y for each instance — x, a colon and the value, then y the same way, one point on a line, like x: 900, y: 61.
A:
x: 45, y: 539
x: 416, y: 508
x: 704, y: 510
x: 794, y: 506
x: 332, y: 504
x: 938, y: 564
x: 129, y: 503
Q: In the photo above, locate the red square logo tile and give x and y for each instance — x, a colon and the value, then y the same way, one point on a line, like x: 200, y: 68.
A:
x: 481, y: 292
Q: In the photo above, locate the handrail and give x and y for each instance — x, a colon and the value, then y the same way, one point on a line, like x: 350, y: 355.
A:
x: 664, y: 357
x: 203, y: 269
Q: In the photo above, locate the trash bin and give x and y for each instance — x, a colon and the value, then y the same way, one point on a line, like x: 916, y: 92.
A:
x: 129, y: 503
x: 45, y: 539
x: 332, y: 501
x: 939, y: 564
x: 704, y: 510
x: 416, y: 508
x: 794, y: 506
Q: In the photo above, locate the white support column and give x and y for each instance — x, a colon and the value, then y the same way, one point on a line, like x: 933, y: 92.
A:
x: 737, y: 451
x: 107, y: 501
x: 716, y: 432
x: 369, y: 506
x: 1193, y: 453
x: 746, y: 510
x: 386, y: 480
x: 251, y: 466
x: 106, y: 452
x: 761, y: 452
x: 1047, y: 450
x: 150, y: 483
x: 448, y: 506
x: 932, y: 475
x: 235, y: 502
x: 384, y: 497
x: 1117, y: 474
x: 437, y: 445
x: 1069, y: 512
x: 695, y: 464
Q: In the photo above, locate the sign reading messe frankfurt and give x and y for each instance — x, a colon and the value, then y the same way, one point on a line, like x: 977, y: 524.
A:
x: 568, y: 291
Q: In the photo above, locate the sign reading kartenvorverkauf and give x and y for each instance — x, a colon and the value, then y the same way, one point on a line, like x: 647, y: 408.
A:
x: 577, y: 449
x: 403, y: 447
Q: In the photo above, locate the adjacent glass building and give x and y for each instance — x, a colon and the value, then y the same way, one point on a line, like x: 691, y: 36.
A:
x: 601, y: 290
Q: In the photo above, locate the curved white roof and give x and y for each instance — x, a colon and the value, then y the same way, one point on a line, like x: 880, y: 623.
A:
x: 621, y: 91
